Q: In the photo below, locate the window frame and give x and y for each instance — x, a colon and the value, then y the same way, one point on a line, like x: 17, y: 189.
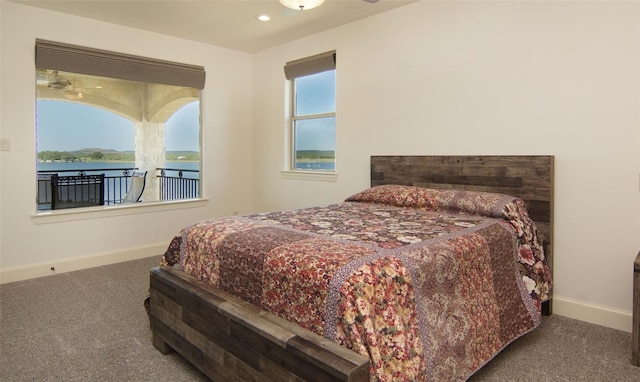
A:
x: 85, y: 61
x: 294, y: 70
x: 293, y: 118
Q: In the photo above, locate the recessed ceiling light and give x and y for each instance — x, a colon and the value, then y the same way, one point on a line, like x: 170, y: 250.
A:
x: 264, y: 18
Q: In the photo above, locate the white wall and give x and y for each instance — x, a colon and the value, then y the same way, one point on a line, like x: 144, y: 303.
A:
x: 30, y: 246
x: 559, y: 78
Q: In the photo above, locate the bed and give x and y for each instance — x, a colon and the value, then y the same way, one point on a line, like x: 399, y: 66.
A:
x: 426, y: 275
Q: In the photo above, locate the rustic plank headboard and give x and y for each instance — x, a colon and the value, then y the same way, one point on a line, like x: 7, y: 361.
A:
x: 529, y: 178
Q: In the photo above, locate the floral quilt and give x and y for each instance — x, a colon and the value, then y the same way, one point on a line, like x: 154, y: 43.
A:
x: 429, y: 284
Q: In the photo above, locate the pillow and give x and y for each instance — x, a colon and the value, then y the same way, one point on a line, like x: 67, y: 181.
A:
x: 470, y: 202
x: 399, y: 196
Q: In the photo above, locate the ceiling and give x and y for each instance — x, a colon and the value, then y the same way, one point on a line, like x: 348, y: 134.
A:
x: 230, y: 24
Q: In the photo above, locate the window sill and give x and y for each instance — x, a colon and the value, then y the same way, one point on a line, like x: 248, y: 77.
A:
x: 74, y: 214
x: 328, y: 176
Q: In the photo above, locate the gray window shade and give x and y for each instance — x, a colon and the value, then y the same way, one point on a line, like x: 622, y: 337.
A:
x: 310, y: 65
x: 95, y: 62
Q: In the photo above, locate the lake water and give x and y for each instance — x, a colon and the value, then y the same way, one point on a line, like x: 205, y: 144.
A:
x: 69, y: 167
x: 302, y: 165
x: 86, y: 166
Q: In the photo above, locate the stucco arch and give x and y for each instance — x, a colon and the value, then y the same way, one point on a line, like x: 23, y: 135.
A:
x: 163, y: 101
x: 136, y: 101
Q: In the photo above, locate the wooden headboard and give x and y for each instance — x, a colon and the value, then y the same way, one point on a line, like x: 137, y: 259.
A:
x: 529, y: 178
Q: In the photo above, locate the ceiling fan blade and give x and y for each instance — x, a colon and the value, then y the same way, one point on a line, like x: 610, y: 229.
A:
x: 288, y: 12
x: 371, y: 1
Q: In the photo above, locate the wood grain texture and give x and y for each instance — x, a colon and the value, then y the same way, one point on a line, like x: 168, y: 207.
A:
x: 231, y: 340
x: 528, y: 177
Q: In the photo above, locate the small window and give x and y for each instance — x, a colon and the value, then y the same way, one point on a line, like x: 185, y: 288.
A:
x: 313, y: 114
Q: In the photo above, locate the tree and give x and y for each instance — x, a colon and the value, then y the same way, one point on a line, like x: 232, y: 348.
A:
x: 56, y: 155
x: 97, y: 155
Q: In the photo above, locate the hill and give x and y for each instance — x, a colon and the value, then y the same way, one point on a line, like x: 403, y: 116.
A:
x: 106, y: 155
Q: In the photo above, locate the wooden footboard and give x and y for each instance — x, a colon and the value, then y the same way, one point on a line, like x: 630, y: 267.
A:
x: 231, y: 340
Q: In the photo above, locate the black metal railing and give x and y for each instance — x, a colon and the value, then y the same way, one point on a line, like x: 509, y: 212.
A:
x: 116, y: 184
x: 176, y: 184
x: 74, y: 191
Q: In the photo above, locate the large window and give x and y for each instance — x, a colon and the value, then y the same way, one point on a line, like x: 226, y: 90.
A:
x: 313, y: 113
x: 114, y: 129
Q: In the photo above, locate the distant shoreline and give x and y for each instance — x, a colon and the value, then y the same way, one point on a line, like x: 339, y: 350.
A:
x: 315, y: 160
x: 109, y: 156
x: 113, y: 161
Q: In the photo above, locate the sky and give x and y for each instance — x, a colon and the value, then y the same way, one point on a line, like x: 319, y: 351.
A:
x: 316, y: 94
x: 66, y: 126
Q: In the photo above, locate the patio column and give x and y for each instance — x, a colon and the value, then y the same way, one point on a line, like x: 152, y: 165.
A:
x: 150, y: 154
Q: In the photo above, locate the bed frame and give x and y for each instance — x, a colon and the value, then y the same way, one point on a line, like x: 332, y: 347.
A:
x: 231, y: 340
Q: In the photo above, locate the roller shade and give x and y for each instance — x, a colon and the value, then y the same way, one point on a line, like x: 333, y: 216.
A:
x: 310, y: 65
x: 95, y: 62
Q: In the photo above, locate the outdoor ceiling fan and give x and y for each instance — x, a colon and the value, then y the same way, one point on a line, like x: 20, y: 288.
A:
x: 303, y: 5
x: 59, y: 83
x: 56, y: 81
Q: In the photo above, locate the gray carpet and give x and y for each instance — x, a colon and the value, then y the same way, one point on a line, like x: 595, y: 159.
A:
x: 90, y: 325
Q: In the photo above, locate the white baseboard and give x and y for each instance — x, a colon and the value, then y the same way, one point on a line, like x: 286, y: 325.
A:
x: 593, y: 313
x: 11, y: 274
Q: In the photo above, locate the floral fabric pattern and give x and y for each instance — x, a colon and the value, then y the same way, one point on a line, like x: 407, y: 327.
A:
x: 429, y: 284
x: 537, y: 274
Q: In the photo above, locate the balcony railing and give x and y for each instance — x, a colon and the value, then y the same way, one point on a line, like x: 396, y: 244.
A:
x: 176, y: 184
x: 173, y: 184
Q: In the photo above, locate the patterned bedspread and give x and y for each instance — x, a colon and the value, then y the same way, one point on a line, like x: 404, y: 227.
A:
x: 429, y: 284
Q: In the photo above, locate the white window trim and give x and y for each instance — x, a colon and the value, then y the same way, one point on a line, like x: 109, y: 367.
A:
x: 291, y: 172
x: 103, y: 63
x: 75, y: 214
x: 326, y: 176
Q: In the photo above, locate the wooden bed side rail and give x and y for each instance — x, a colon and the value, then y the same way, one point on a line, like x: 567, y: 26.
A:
x: 231, y: 340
